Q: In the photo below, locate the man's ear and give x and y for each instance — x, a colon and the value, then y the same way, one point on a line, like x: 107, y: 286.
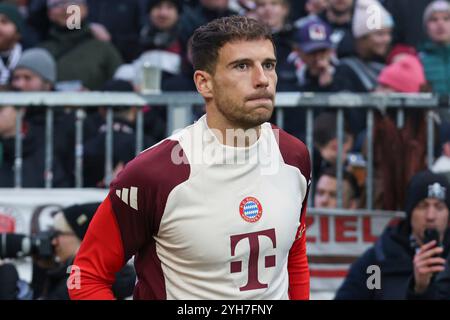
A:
x: 203, y: 82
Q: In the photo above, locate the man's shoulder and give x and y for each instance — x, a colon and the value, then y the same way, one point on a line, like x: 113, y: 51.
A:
x: 293, y: 150
x: 164, y: 160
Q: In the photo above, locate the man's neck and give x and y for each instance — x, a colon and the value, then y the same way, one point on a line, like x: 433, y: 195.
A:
x: 231, y: 134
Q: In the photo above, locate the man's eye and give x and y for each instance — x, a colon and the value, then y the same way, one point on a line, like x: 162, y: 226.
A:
x: 269, y: 65
x: 241, y: 66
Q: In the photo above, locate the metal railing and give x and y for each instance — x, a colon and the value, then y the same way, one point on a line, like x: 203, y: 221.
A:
x: 179, y: 114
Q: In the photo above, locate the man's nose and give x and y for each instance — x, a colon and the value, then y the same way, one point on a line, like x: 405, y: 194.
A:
x: 260, y: 77
x: 431, y: 213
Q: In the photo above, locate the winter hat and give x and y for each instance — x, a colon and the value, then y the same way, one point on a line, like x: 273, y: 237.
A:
x: 40, y: 61
x: 435, y: 6
x: 405, y: 75
x: 153, y: 3
x: 370, y: 16
x: 14, y: 15
x: 313, y: 34
x: 426, y: 184
x: 78, y: 217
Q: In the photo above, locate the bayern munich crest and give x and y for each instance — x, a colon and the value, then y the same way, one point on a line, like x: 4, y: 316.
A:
x: 250, y: 209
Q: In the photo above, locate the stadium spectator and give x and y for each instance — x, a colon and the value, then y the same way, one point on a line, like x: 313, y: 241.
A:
x: 200, y: 14
x: 408, y: 19
x: 70, y: 226
x: 372, y: 27
x: 11, y: 30
x: 33, y: 154
x: 317, y: 63
x: 435, y: 53
x: 79, y: 56
x: 399, y: 153
x: 403, y: 253
x: 326, y: 144
x: 122, y: 20
x: 372, y: 43
x: 36, y: 71
x: 325, y: 194
x: 275, y: 14
x: 159, y: 39
x: 124, y: 139
x: 339, y: 15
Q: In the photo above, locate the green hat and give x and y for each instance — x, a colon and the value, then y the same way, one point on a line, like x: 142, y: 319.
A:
x: 13, y: 14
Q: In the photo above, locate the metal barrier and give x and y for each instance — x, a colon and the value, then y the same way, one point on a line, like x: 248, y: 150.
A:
x: 179, y: 114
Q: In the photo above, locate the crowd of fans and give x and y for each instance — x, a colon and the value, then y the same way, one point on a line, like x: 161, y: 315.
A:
x: 322, y: 46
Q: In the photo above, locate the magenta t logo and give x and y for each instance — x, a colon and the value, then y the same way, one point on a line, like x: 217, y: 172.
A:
x: 253, y: 240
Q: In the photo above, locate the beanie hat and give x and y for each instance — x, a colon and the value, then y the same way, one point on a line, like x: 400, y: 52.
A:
x: 40, y: 61
x: 153, y: 3
x: 435, y: 6
x: 370, y: 16
x: 14, y: 15
x: 79, y: 216
x: 426, y: 184
x: 405, y: 75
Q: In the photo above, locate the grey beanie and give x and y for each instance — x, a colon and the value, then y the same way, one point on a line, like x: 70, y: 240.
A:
x: 435, y: 6
x: 40, y: 61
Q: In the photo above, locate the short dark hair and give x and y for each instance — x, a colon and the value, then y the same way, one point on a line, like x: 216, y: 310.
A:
x: 355, y: 192
x: 210, y: 38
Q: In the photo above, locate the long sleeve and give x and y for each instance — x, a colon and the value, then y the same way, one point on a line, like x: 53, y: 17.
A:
x: 100, y: 257
x: 298, y: 268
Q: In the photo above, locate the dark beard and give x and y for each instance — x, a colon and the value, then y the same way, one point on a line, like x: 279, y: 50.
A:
x: 243, y: 121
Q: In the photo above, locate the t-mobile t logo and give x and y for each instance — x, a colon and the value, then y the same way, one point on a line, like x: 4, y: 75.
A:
x: 269, y: 262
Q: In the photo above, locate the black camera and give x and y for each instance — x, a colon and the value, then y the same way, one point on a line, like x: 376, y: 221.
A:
x: 13, y: 245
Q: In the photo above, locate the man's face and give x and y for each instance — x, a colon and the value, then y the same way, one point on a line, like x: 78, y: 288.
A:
x: 164, y: 15
x: 272, y: 12
x: 438, y: 27
x: 66, y: 243
x: 215, y: 4
x: 244, y: 82
x: 378, y: 42
x: 26, y: 80
x: 317, y: 61
x: 429, y: 213
x: 8, y: 121
x: 325, y: 195
x: 340, y: 6
x: 8, y: 33
x: 58, y: 13
x: 329, y: 151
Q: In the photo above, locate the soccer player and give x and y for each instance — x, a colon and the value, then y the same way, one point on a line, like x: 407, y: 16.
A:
x: 216, y: 211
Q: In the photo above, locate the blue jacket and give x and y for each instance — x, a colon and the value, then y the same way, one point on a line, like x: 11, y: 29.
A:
x: 394, y: 254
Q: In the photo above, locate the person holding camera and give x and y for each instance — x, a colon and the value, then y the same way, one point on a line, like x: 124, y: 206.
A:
x: 53, y: 254
x: 411, y: 254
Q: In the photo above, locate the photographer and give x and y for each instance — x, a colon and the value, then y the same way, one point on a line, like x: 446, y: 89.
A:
x: 410, y: 252
x: 50, y: 275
